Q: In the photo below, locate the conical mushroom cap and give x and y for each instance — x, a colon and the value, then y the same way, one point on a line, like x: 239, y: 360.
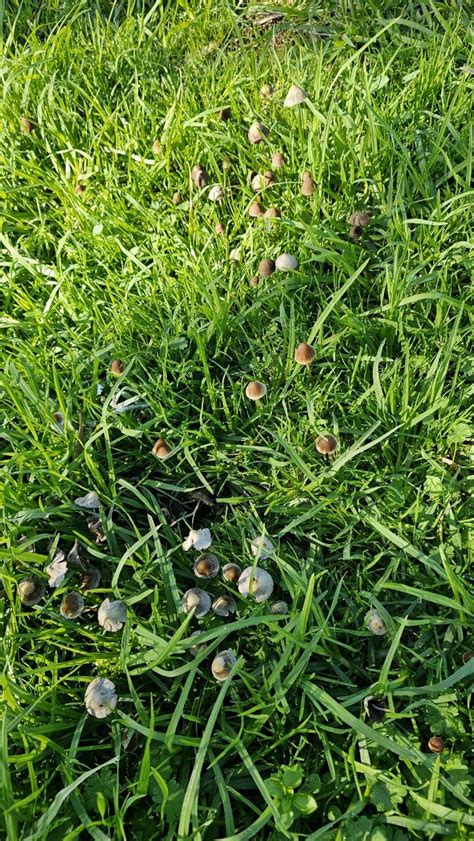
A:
x: 257, y: 132
x: 199, y: 176
x: 266, y: 267
x: 295, y: 96
x: 360, y: 219
x: 304, y: 354
x: 206, y: 566
x: 307, y: 186
x: 286, y: 263
x: 278, y: 161
x: 255, y: 210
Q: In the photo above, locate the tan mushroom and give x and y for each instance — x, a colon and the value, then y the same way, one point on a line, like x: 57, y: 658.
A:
x: 255, y: 390
x: 307, y: 186
x: 161, y: 449
x: 305, y: 354
x: 257, y: 132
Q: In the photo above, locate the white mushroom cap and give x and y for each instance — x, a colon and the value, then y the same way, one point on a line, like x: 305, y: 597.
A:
x: 257, y: 132
x: 206, y: 566
x: 295, y: 96
x: 375, y: 623
x: 222, y: 664
x: 57, y: 569
x: 236, y: 255
x: 90, y: 500
x: 216, y: 193
x: 198, y: 539
x: 279, y: 608
x: 112, y: 615
x: 224, y: 605
x: 195, y: 597
x: 256, y: 582
x: 100, y: 697
x: 286, y: 263
x: 261, y: 547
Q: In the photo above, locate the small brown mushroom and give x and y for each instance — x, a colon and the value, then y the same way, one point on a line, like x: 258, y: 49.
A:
x: 27, y: 125
x: 436, y: 744
x: 356, y: 232
x: 161, y: 449
x: 255, y: 210
x: 266, y: 90
x: 224, y: 605
x: 79, y: 189
x: 360, y: 219
x: 255, y: 390
x: 231, y: 573
x: 156, y: 147
x: 257, y: 132
x: 225, y: 114
x: 219, y: 228
x: 272, y: 213
x: 468, y: 655
x: 295, y: 96
x: 177, y: 198
x: 278, y: 161
x: 206, y: 566
x: 199, y: 176
x: 72, y: 606
x: 307, y: 186
x: 117, y: 367
x: 90, y: 579
x: 31, y: 591
x: 305, y: 354
x: 262, y: 180
x: 326, y: 445
x: 266, y: 267
x: 254, y: 281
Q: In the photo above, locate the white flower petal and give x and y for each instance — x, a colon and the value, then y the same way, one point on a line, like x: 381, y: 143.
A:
x: 100, y: 697
x: 90, y: 500
x: 57, y: 569
x: 112, y: 615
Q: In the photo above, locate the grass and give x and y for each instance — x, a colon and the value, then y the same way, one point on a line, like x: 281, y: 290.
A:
x: 283, y: 749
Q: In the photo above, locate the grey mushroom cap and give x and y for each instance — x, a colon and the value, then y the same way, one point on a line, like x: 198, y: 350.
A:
x: 206, y: 566
x: 216, y: 193
x: 198, y: 599
x: 256, y: 582
x: 90, y: 579
x: 90, y: 501
x: 295, y: 96
x: 222, y: 665
x: 100, y: 697
x: 231, y: 573
x: 224, y: 605
x: 31, y: 591
x: 257, y: 132
x: 280, y: 608
x: 112, y: 615
x: 286, y: 263
x: 71, y: 606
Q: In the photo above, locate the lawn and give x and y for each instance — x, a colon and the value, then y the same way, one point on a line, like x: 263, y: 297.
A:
x: 135, y: 308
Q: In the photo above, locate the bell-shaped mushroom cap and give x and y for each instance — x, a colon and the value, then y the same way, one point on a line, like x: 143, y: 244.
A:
x: 286, y: 263
x: 90, y: 501
x: 266, y: 90
x: 90, y: 579
x: 195, y: 597
x: 71, y: 606
x: 280, y: 608
x: 307, y: 186
x: 305, y: 354
x: 224, y: 605
x: 57, y: 569
x: 156, y: 146
x: 262, y: 547
x: 272, y: 213
x: 222, y: 665
x: 255, y: 210
x: 216, y: 193
x: 257, y: 132
x: 360, y: 219
x: 295, y: 96
x: 177, y: 198
x: 161, y: 449
x: 356, y: 232
x: 199, y: 176
x: 100, y: 697
x: 262, y: 180
x: 266, y: 267
x: 278, y: 160
x: 326, y: 444
x: 206, y: 566
x: 375, y: 623
x: 256, y: 582
x: 112, y: 615
x: 197, y: 539
x: 117, y: 367
x: 31, y: 591
x: 255, y: 390
x: 231, y: 573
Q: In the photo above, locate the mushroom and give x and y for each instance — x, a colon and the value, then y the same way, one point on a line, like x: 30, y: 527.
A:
x: 117, y: 367
x: 27, y: 125
x: 266, y: 267
x: 468, y: 655
x: 58, y: 421
x: 375, y: 623
x: 225, y: 113
x: 177, y: 198
x: 436, y: 744
x: 90, y: 500
x: 374, y: 708
x: 262, y: 180
x: 295, y: 96
x: 79, y: 189
x: 90, y: 579
x: 256, y: 582
x: 195, y: 649
x: 235, y: 255
x: 266, y: 90
x: 219, y: 228
x: 255, y: 390
x: 197, y: 539
x: 255, y: 210
x: 261, y: 547
x: 71, y: 606
x: 161, y: 449
x: 279, y: 608
x: 74, y: 555
x: 286, y: 263
x: 199, y: 176
x: 222, y: 664
x: 356, y: 232
x: 156, y: 146
x: 57, y: 569
x: 100, y: 697
x: 326, y: 445
x: 198, y: 599
x: 307, y: 186
x: 206, y: 566
x: 254, y: 281
x: 31, y: 591
x: 95, y: 527
x: 231, y: 573
x: 305, y: 354
x: 112, y: 615
x: 216, y: 193
x: 224, y: 605
x: 257, y: 132
x: 272, y: 213
x: 278, y: 161
x: 360, y: 219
